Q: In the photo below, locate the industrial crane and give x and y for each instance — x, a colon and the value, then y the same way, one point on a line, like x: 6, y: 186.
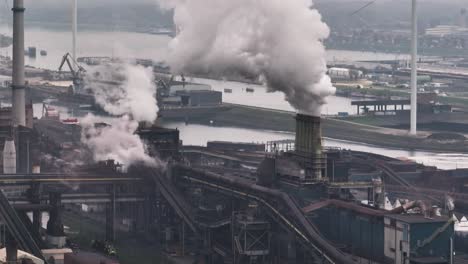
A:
x: 76, y: 70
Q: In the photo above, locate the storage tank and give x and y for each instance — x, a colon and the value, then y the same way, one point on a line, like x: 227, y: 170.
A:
x: 9, y: 157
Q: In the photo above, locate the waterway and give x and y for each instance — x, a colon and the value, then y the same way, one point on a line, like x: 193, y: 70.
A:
x: 260, y: 97
x: 137, y: 45
x: 130, y: 45
x: 199, y: 135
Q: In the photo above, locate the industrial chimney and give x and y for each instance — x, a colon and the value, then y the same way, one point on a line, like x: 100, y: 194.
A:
x: 462, y: 18
x: 308, y: 145
x: 18, y: 92
x: 308, y: 136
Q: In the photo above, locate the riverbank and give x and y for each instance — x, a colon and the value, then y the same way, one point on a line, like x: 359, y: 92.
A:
x: 334, y: 128
x: 423, y: 51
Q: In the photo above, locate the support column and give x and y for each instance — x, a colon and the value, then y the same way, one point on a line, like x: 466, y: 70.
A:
x: 110, y: 216
x: 183, y: 239
x: 36, y: 199
x: 11, y: 249
x: 207, y: 247
x: 55, y: 232
x: 18, y: 93
x: 292, y: 251
x: 74, y: 26
x: 414, y: 68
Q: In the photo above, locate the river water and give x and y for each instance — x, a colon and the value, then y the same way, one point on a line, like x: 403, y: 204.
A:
x: 199, y: 135
x: 128, y: 44
x: 137, y: 45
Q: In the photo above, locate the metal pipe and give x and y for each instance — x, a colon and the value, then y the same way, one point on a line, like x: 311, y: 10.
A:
x: 252, y: 190
x: 451, y: 250
x: 18, y: 93
x: 414, y: 66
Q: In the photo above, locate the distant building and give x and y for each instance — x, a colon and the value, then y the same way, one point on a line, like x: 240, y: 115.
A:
x: 344, y: 74
x: 174, y: 89
x: 201, y: 98
x: 446, y: 30
x: 192, y: 95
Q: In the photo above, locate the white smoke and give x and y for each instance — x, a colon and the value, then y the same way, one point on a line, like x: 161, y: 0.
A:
x: 115, y: 140
x: 450, y: 203
x: 124, y: 89
x: 127, y: 91
x: 275, y: 40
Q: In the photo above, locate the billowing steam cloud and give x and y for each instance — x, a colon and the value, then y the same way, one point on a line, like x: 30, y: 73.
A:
x: 275, y: 40
x: 115, y: 140
x: 127, y: 91
x: 124, y: 89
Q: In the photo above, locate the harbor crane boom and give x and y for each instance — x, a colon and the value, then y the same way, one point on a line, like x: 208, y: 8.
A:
x: 76, y: 70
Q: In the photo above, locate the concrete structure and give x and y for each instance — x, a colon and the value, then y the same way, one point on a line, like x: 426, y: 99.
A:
x: 20, y: 256
x: 308, y: 135
x: 74, y: 17
x: 414, y: 67
x: 18, y: 102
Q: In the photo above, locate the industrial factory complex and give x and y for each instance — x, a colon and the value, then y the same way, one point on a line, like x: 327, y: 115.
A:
x: 281, y: 201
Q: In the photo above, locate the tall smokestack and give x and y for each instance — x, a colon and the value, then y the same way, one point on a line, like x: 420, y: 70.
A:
x: 308, y: 135
x: 74, y: 26
x: 18, y: 93
x: 309, y: 144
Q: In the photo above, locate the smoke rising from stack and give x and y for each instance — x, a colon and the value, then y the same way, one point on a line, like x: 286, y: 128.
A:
x: 116, y: 140
x: 127, y: 91
x: 272, y: 40
x: 131, y: 91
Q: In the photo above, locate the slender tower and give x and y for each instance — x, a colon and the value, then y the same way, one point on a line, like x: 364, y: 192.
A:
x: 74, y: 25
x: 18, y: 92
x: 414, y: 67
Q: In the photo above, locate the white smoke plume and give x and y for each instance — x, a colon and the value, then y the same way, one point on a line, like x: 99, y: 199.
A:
x: 127, y: 91
x: 275, y: 40
x: 124, y: 89
x: 115, y: 139
x: 450, y: 203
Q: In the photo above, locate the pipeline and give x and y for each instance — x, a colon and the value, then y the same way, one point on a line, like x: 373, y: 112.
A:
x: 175, y: 200
x: 252, y: 191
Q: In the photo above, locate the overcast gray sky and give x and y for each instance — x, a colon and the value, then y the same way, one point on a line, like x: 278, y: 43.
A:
x: 43, y: 3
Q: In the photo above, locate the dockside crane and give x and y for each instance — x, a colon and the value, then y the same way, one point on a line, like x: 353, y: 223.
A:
x: 76, y: 70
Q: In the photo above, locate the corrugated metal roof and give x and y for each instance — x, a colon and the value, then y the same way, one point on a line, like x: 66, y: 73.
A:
x: 417, y: 218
